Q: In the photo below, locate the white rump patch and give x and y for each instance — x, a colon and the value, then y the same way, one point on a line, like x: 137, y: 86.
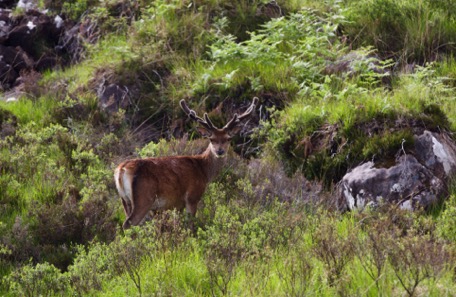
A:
x: 123, y: 184
x: 127, y: 181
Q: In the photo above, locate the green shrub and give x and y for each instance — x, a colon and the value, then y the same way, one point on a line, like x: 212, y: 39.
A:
x: 323, y: 141
x: 90, y: 269
x: 102, y: 262
x: 415, y: 259
x: 297, y: 270
x: 224, y: 247
x: 54, y: 189
x: 446, y: 222
x: 259, y: 230
x: 285, y: 54
x: 41, y: 279
x: 334, y: 249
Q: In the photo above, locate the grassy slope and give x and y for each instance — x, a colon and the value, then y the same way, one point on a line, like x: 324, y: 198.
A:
x: 57, y: 191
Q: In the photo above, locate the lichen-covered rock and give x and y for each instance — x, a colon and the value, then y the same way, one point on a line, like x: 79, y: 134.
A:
x: 417, y: 179
x: 437, y: 152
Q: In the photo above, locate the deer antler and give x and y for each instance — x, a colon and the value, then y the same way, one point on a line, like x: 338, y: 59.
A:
x: 206, y: 122
x: 237, y: 118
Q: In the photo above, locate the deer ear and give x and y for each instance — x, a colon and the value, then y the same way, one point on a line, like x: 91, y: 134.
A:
x: 204, y: 132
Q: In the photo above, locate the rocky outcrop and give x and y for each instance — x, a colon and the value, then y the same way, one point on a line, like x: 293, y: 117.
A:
x: 34, y: 41
x: 416, y: 179
x: 27, y: 42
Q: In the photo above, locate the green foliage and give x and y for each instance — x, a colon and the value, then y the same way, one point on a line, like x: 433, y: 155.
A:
x: 446, y: 221
x: 41, y: 279
x: 175, y: 25
x: 355, y: 123
x: 224, y: 246
x: 296, y: 274
x: 26, y: 111
x: 90, y: 269
x: 295, y: 49
x: 46, y: 169
x: 328, y: 101
x: 408, y: 30
x: 415, y: 259
x: 333, y: 248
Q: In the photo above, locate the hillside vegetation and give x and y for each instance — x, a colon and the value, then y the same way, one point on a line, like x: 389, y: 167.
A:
x: 268, y: 226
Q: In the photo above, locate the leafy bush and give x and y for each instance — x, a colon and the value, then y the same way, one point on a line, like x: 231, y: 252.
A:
x: 41, y: 279
x: 285, y: 54
x: 54, y: 187
x: 334, y: 248
x: 446, y: 224
x: 224, y: 247
x: 90, y: 269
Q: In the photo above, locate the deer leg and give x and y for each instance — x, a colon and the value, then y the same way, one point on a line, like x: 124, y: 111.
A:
x: 126, y: 224
x: 137, y: 216
x: 190, y: 210
x: 139, y: 212
x: 127, y: 207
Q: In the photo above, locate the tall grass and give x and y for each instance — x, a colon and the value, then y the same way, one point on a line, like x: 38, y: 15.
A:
x: 409, y: 31
x: 27, y: 111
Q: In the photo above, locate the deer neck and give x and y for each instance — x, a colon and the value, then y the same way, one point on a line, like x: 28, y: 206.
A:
x: 212, y: 164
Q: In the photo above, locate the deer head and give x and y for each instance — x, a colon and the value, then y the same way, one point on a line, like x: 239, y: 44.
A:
x: 219, y: 137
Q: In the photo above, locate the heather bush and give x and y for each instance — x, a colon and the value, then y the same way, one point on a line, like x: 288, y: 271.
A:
x: 417, y: 258
x: 297, y: 270
x: 41, y: 279
x: 334, y: 249
x: 371, y: 251
x: 19, y: 241
x: 90, y: 269
x: 224, y: 246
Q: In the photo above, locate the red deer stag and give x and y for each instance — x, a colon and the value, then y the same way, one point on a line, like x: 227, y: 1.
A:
x: 156, y: 184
